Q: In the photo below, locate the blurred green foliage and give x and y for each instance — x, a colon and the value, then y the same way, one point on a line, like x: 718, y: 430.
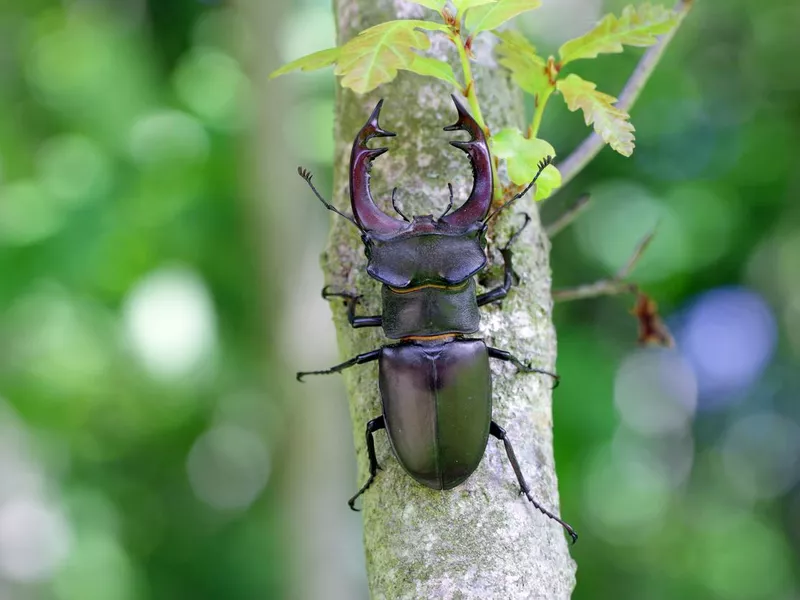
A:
x: 120, y: 188
x: 142, y: 452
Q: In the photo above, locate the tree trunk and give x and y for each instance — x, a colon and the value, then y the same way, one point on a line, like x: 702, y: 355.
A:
x: 481, y: 539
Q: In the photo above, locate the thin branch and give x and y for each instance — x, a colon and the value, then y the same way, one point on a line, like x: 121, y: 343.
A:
x: 566, y: 219
x: 608, y: 287
x: 637, y: 254
x: 592, y: 145
x: 397, y: 564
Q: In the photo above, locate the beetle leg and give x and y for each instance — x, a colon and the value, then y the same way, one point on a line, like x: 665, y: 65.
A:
x: 374, y: 425
x: 501, y: 292
x: 501, y: 435
x: 356, y: 360
x: 542, y: 165
x: 351, y: 300
x: 305, y: 174
x: 397, y: 208
x: 450, y: 204
x: 521, y: 366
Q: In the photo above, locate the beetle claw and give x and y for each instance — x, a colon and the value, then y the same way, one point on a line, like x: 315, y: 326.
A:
x: 567, y: 527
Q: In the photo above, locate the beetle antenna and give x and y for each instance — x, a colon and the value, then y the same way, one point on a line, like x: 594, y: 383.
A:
x: 305, y: 174
x: 396, y: 209
x: 542, y: 164
x: 449, y: 206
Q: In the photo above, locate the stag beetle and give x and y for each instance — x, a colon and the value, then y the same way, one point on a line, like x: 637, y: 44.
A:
x: 435, y: 383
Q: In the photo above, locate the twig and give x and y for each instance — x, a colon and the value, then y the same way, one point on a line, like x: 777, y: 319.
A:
x: 637, y: 254
x: 592, y: 145
x: 608, y: 287
x: 566, y: 219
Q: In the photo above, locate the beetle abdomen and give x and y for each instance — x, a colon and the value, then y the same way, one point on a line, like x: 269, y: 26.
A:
x: 437, y: 402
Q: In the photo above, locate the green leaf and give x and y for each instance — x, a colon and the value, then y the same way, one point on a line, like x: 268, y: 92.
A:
x: 374, y: 56
x: 611, y: 123
x: 464, y: 5
x: 311, y: 62
x: 491, y: 16
x: 518, y: 55
x: 636, y: 27
x: 436, y: 5
x: 522, y: 156
x: 432, y: 67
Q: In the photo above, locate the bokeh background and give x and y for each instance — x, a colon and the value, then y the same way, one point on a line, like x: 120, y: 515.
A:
x: 159, y: 286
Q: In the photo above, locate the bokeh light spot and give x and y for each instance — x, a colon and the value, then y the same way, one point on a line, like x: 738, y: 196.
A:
x: 59, y: 341
x: 34, y: 539
x: 168, y: 136
x: 761, y: 455
x: 740, y: 558
x: 28, y: 214
x: 170, y: 322
x: 728, y: 336
x: 655, y: 392
x: 228, y: 467
x: 212, y: 84
x: 74, y: 169
x: 622, y: 215
x: 307, y: 31
x: 98, y: 567
x: 67, y: 61
x: 709, y: 219
x: 626, y: 496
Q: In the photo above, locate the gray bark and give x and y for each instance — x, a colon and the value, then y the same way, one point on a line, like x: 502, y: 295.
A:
x: 482, y: 539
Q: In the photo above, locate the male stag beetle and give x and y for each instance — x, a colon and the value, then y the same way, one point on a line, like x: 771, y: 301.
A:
x: 435, y: 383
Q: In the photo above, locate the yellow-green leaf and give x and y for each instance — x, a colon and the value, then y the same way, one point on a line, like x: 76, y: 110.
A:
x: 611, y: 123
x: 522, y: 156
x: 491, y: 16
x: 432, y: 67
x: 317, y: 60
x: 436, y: 5
x: 374, y: 56
x: 518, y: 55
x: 463, y: 5
x: 636, y: 27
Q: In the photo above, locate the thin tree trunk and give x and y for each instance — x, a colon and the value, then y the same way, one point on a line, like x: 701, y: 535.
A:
x: 481, y: 539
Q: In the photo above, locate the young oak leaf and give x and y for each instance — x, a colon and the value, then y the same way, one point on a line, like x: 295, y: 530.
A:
x: 636, y: 27
x: 522, y: 156
x: 518, y: 55
x: 491, y: 16
x: 311, y: 62
x: 375, y: 55
x: 432, y: 67
x: 611, y: 123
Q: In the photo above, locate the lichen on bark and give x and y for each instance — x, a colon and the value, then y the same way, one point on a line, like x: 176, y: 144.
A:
x: 481, y: 539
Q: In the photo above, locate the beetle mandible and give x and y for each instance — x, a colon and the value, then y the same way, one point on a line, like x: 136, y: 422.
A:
x: 435, y: 383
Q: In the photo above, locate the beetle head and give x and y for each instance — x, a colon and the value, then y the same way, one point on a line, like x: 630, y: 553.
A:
x: 447, y: 250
